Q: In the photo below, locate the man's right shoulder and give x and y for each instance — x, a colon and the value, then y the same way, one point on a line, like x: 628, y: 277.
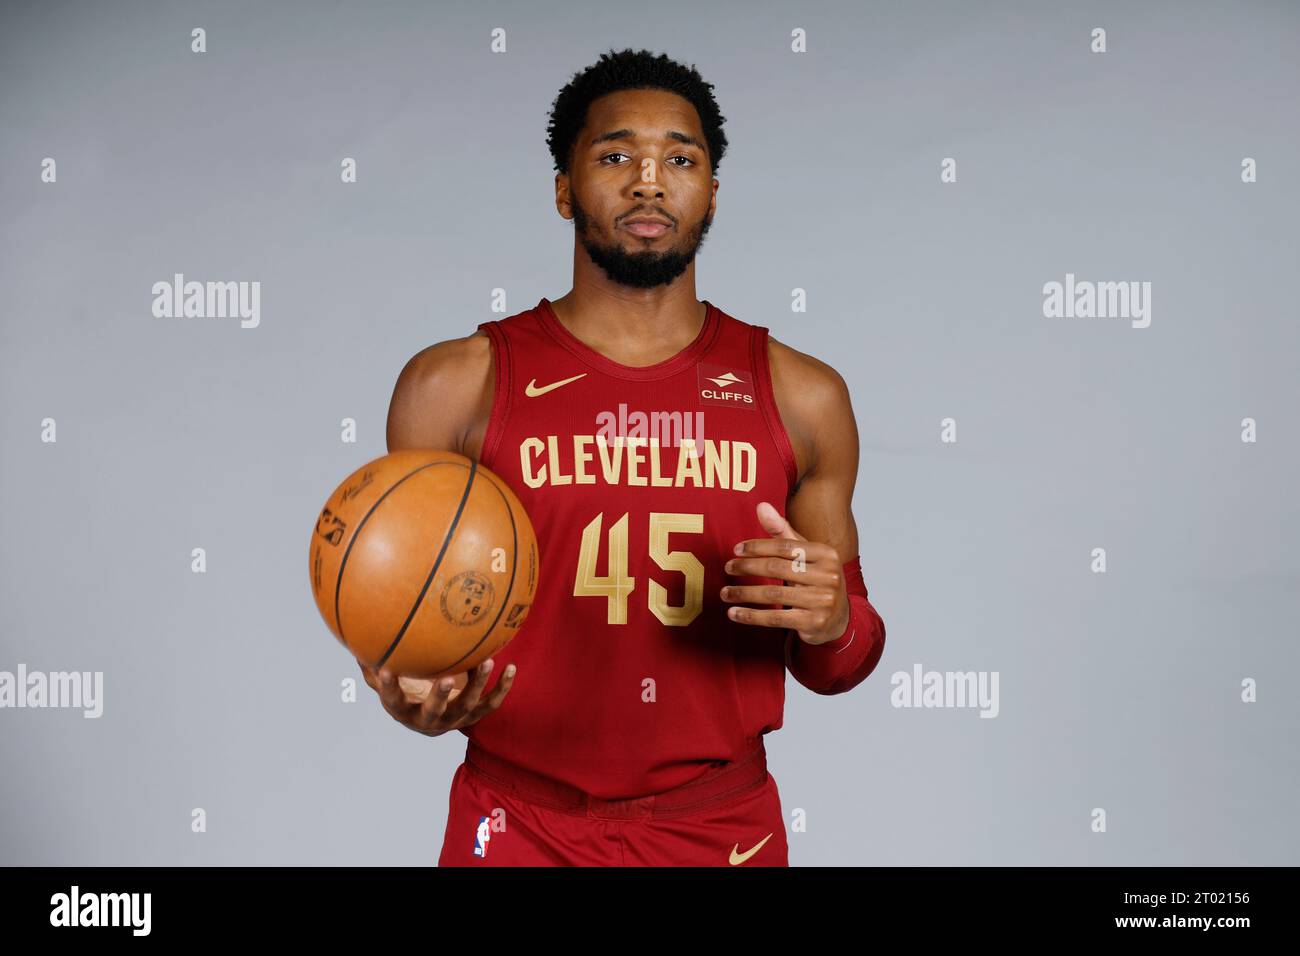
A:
x: 441, y: 393
x: 470, y: 356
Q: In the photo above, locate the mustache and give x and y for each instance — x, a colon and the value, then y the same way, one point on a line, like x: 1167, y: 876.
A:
x: 648, y: 211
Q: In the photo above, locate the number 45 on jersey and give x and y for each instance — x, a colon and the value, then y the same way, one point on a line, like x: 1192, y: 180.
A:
x: 617, y: 585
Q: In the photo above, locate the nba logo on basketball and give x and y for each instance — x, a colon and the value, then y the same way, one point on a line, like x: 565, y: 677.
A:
x: 481, y: 837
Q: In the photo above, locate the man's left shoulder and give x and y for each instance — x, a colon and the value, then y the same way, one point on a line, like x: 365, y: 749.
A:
x: 806, y: 379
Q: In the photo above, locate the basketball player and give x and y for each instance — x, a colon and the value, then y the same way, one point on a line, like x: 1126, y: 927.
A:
x: 680, y: 577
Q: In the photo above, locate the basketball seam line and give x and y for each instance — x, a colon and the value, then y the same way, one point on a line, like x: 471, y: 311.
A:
x: 514, y: 571
x: 356, y: 536
x: 446, y: 542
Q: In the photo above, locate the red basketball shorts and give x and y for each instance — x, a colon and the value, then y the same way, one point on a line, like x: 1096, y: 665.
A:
x: 500, y: 814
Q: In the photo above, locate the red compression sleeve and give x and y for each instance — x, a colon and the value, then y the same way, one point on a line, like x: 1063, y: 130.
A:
x: 841, y: 664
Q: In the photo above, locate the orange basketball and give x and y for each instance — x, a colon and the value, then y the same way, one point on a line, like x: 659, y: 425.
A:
x: 423, y: 562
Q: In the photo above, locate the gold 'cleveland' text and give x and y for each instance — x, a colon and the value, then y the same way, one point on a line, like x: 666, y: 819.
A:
x: 633, y: 461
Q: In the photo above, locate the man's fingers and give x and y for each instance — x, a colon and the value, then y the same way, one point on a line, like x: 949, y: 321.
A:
x: 784, y: 569
x: 775, y: 523
x: 789, y: 548
x: 391, y: 693
x: 796, y: 619
x: 468, y: 698
x: 499, y: 692
x: 443, y: 707
x: 370, y: 674
x: 805, y: 597
x: 435, y: 705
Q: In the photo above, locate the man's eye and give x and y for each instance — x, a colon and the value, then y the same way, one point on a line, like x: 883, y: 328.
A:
x: 687, y: 158
x: 608, y: 155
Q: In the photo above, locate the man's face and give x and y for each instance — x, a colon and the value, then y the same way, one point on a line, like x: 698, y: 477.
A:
x: 641, y: 153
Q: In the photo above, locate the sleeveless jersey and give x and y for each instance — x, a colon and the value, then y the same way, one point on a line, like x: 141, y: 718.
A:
x: 639, y: 483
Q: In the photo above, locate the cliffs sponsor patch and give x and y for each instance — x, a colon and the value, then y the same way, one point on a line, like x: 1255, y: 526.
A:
x: 725, y: 385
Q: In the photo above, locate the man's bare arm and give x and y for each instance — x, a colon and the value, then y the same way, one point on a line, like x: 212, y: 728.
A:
x: 815, y: 406
x: 817, y: 409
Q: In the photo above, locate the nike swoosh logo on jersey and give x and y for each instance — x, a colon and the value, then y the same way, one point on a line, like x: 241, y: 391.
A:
x: 532, y: 391
x: 738, y: 857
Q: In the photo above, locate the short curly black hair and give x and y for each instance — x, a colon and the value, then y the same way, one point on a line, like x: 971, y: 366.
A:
x: 628, y: 70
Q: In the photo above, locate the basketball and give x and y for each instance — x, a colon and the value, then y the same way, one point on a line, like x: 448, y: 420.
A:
x: 423, y: 562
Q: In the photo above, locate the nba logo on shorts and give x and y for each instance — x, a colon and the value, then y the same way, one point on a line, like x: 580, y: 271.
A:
x: 481, y: 837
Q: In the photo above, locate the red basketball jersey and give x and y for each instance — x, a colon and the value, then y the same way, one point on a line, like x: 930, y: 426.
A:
x: 639, y: 483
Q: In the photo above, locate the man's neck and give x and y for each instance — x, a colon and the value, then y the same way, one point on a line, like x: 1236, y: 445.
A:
x: 635, y: 327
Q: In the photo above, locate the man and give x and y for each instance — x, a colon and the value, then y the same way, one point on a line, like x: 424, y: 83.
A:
x: 681, y: 574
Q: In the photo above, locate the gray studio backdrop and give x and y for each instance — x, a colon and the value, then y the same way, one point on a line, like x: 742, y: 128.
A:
x: 1160, y: 692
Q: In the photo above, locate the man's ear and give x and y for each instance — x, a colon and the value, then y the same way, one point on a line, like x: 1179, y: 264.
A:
x: 562, y: 203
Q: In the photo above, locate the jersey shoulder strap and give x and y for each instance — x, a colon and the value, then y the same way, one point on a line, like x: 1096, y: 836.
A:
x: 738, y: 363
x: 519, y: 333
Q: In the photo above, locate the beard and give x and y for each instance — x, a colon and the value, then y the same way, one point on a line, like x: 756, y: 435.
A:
x: 640, y: 270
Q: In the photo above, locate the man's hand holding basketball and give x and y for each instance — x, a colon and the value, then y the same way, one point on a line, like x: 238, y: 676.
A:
x: 433, y: 708
x: 816, y: 603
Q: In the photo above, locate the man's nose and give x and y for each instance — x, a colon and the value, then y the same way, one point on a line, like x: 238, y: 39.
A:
x: 647, y: 184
